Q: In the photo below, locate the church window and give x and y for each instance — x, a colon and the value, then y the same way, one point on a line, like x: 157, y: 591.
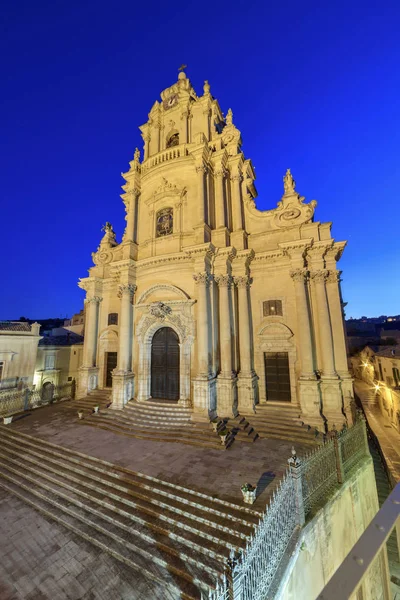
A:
x: 272, y: 308
x: 173, y: 140
x: 164, y: 222
x: 113, y: 319
x: 49, y: 361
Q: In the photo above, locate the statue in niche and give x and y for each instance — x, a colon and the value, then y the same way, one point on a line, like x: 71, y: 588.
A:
x: 289, y: 183
x: 164, y: 222
x: 173, y: 140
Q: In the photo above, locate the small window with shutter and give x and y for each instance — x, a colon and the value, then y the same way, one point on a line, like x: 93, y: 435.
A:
x: 113, y: 319
x: 272, y: 308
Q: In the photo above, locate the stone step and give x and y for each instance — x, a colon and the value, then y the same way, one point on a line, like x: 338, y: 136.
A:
x: 153, y: 568
x: 119, y: 418
x: 158, y: 435
x: 139, y: 531
x: 151, y: 407
x: 292, y: 438
x: 266, y: 428
x: 116, y: 474
x: 151, y: 418
x: 286, y: 408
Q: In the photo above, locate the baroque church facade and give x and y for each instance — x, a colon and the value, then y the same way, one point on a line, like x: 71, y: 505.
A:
x: 208, y: 301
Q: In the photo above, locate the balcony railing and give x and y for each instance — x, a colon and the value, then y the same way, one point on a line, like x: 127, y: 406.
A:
x: 352, y: 577
x: 165, y: 156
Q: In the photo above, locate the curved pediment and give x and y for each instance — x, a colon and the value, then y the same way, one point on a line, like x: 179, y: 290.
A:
x: 277, y: 331
x: 162, y: 291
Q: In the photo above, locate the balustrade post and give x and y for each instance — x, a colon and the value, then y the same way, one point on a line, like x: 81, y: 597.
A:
x: 337, y: 444
x: 73, y: 389
x: 296, y: 475
x: 234, y: 577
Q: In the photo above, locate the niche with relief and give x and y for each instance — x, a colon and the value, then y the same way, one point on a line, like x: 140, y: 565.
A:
x: 164, y: 222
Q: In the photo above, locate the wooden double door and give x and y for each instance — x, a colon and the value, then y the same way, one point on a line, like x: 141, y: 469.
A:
x: 277, y: 376
x: 165, y: 364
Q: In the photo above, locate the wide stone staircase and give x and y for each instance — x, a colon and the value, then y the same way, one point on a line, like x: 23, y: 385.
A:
x: 162, y: 421
x: 175, y: 536
x: 283, y: 422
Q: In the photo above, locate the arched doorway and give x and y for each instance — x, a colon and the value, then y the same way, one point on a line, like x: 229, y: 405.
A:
x: 47, y: 391
x: 165, y: 364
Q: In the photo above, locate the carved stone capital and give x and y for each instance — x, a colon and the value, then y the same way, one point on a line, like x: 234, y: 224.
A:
x: 319, y: 276
x: 202, y: 278
x: 333, y: 277
x: 299, y: 275
x: 242, y: 281
x: 128, y: 289
x: 237, y: 178
x: 201, y: 169
x: 223, y: 280
x: 219, y: 173
x: 93, y: 300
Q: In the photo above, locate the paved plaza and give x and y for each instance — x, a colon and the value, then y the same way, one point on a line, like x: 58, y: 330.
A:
x: 40, y: 559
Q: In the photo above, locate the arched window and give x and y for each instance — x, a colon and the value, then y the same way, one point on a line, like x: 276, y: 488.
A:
x: 173, y: 140
x: 113, y: 319
x: 164, y: 222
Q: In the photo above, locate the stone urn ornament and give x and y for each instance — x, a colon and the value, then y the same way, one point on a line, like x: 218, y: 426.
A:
x: 80, y: 414
x: 223, y: 434
x: 96, y: 409
x: 215, y: 423
x: 249, y: 493
x: 7, y: 420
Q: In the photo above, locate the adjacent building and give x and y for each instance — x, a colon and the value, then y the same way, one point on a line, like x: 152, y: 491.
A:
x: 207, y: 300
x: 18, y: 348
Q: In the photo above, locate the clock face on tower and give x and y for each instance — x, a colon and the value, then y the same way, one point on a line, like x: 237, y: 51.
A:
x: 170, y: 102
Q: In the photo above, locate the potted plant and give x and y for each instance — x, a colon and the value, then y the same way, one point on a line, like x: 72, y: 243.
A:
x: 249, y: 493
x: 80, y: 414
x: 215, y: 423
x: 223, y: 434
x: 7, y: 420
x: 96, y: 409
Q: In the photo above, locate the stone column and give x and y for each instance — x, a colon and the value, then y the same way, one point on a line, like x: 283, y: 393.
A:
x: 247, y: 384
x: 129, y: 235
x: 91, y: 325
x: 125, y: 327
x: 332, y: 401
x: 236, y: 203
x: 226, y: 380
x: 303, y: 324
x: 201, y: 171
x: 225, y: 325
x: 122, y: 376
x: 339, y: 342
x: 202, y: 282
x: 204, y: 402
x: 219, y: 199
x: 146, y: 146
x: 309, y: 395
x: 324, y: 325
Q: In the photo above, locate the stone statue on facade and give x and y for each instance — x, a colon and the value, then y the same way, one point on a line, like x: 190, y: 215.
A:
x: 289, y: 184
x: 109, y: 238
x: 229, y: 117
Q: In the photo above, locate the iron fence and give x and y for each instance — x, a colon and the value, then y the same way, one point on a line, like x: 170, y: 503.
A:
x: 17, y: 401
x: 305, y: 487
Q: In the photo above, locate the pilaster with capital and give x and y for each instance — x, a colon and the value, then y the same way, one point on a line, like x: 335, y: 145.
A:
x: 202, y: 281
x: 226, y: 380
x: 318, y: 277
x: 91, y: 327
x: 299, y: 277
x: 125, y: 293
x: 201, y: 171
x: 336, y: 314
x: 237, y: 217
x: 219, y: 179
x: 129, y: 234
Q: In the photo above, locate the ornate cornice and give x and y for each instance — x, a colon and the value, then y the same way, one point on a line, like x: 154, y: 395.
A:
x: 242, y: 281
x: 93, y: 300
x: 333, y: 277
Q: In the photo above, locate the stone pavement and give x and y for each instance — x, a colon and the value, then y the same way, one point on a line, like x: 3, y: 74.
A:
x: 40, y: 560
x: 389, y: 438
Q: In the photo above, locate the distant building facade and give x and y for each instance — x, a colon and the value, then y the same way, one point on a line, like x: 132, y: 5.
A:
x: 18, y: 348
x: 58, y: 360
x: 207, y: 300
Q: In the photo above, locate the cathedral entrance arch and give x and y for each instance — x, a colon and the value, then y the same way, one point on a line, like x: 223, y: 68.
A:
x: 165, y: 364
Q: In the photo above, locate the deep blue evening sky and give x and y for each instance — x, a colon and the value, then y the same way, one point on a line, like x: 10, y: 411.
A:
x: 314, y: 86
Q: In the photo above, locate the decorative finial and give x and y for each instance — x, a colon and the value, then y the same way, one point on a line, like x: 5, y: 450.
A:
x: 229, y: 117
x: 107, y: 228
x: 289, y: 184
x: 206, y: 87
x: 136, y: 155
x: 182, y: 67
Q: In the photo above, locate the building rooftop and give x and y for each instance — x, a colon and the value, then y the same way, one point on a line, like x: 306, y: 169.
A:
x: 61, y: 340
x: 14, y: 326
x: 389, y: 352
